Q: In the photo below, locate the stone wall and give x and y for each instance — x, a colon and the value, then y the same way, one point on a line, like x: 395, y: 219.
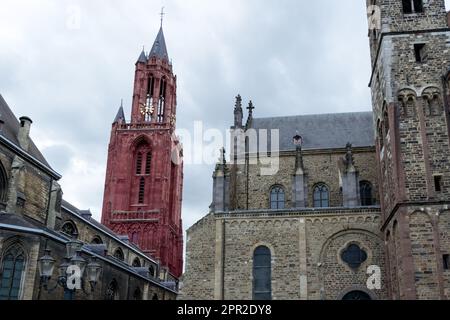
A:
x: 199, y: 278
x: 305, y: 247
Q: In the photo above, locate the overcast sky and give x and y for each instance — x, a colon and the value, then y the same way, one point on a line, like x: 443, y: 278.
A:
x: 69, y: 72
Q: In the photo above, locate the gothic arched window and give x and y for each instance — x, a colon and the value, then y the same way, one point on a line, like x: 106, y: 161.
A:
x: 118, y: 254
x: 112, y: 292
x: 321, y: 196
x: 97, y: 240
x: 70, y: 229
x: 13, y: 267
x: 365, y: 190
x: 277, y: 198
x: 262, y: 274
x: 136, y: 263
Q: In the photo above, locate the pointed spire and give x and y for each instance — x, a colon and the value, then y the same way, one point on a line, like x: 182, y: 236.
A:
x: 142, y: 57
x: 120, y: 114
x: 238, y: 114
x: 159, y: 49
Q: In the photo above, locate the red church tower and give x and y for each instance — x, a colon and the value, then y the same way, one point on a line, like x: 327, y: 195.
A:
x: 144, y: 175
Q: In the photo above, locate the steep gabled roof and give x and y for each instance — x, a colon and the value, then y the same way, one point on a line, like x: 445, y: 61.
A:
x: 10, y: 130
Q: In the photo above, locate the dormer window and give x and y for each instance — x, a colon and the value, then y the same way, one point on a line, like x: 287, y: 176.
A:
x: 412, y: 6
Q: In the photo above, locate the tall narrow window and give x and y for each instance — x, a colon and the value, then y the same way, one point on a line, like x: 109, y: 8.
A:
x: 438, y: 183
x: 262, y: 274
x: 148, y: 163
x: 446, y: 260
x: 3, y: 185
x: 135, y: 237
x: 365, y: 190
x: 162, y: 101
x: 141, y: 191
x: 112, y: 292
x: 139, y: 163
x: 149, y: 102
x: 277, y: 198
x: 321, y: 196
x: 13, y: 265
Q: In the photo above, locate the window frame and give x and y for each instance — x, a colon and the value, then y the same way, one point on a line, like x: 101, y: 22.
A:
x: 320, y: 186
x: 20, y: 251
x: 278, y: 204
x: 371, y: 200
x: 262, y: 251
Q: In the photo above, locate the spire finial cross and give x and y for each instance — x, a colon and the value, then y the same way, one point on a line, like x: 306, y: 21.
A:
x: 162, y: 14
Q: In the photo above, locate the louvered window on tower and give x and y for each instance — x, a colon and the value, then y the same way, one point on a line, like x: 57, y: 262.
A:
x: 141, y: 190
x: 139, y: 163
x: 148, y: 163
x: 162, y: 101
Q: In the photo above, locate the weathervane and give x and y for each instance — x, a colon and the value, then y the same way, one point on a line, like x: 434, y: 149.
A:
x: 162, y: 15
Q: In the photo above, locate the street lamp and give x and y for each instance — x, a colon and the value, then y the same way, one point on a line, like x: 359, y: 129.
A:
x: 47, y: 265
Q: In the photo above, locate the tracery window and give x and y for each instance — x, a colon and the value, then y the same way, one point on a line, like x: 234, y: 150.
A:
x: 13, y: 267
x: 262, y: 274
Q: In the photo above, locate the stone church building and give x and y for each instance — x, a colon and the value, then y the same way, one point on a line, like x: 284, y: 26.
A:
x: 359, y: 207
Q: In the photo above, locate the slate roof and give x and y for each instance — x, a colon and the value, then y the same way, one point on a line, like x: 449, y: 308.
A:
x: 120, y: 115
x: 321, y: 131
x: 11, y: 128
x: 159, y: 49
x: 142, y: 57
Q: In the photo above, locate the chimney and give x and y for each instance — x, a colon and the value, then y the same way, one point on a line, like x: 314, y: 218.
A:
x: 24, y: 132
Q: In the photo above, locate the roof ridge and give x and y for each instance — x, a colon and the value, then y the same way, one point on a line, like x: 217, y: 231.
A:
x: 315, y: 115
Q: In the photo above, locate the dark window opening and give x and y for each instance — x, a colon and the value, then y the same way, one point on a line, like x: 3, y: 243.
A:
x: 262, y: 274
x: 70, y: 229
x: 354, y: 256
x: 446, y: 260
x: 356, y: 295
x: 136, y: 263
x: 137, y: 295
x: 438, y: 183
x: 420, y: 52
x: 321, y: 196
x: 97, y: 240
x: 141, y: 190
x: 139, y: 163
x: 365, y: 190
x: 118, y: 254
x: 412, y: 6
x: 112, y: 292
x: 148, y: 163
x: 277, y: 198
